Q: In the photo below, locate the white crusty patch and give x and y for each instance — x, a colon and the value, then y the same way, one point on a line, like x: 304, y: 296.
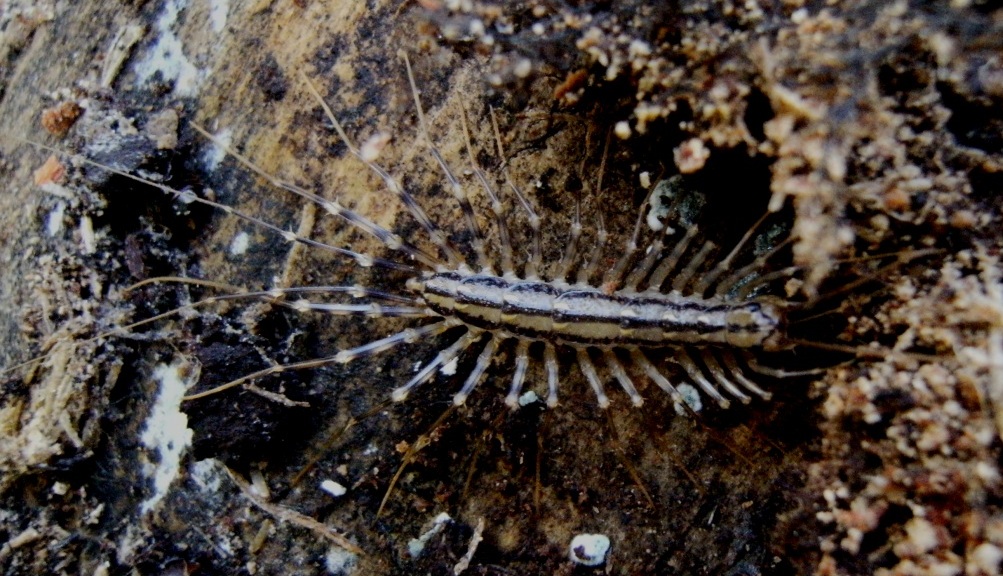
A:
x: 167, y: 56
x: 239, y: 244
x: 166, y: 432
x: 214, y: 155
x: 218, y: 11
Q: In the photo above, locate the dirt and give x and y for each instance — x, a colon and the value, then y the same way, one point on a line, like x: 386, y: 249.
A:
x: 865, y: 127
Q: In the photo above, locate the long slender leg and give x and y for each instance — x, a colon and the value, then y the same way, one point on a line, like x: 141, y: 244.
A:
x: 504, y: 237
x: 444, y: 356
x: 732, y: 280
x: 483, y: 361
x: 434, y: 233
x: 550, y: 362
x: 589, y: 370
x: 532, y: 270
x: 621, y: 375
x: 721, y: 377
x: 779, y: 373
x: 459, y: 192
x: 684, y: 360
x: 614, y: 276
x: 519, y: 377
x: 642, y: 362
x: 333, y: 207
x: 666, y: 266
x: 686, y: 274
x: 644, y: 266
x: 408, y: 335
x: 568, y: 260
x: 708, y: 279
x: 585, y: 274
x: 342, y: 357
x: 736, y: 371
x: 187, y: 196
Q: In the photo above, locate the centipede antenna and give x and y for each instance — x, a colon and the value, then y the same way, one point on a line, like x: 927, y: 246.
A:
x: 867, y: 352
x: 532, y: 270
x: 504, y: 239
x: 434, y: 233
x: 444, y: 356
x: 707, y: 280
x: 589, y: 370
x: 879, y: 273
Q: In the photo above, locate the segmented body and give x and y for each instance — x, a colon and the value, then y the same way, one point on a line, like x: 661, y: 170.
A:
x: 705, y: 316
x: 582, y: 315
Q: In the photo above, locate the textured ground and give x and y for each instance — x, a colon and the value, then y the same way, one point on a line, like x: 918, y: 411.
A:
x: 872, y: 126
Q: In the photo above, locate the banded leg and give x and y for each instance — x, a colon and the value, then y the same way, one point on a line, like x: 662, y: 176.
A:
x: 408, y: 335
x: 614, y: 276
x: 693, y: 371
x: 721, y: 377
x: 550, y: 363
x: 644, y: 266
x: 342, y: 357
x: 188, y: 197
x: 532, y: 270
x: 589, y: 370
x: 519, y: 377
x: 686, y: 274
x: 734, y: 279
x: 459, y: 192
x: 621, y: 376
x: 721, y: 267
x: 483, y: 361
x: 665, y: 267
x: 585, y: 273
x: 444, y: 356
x: 568, y: 260
x: 434, y: 233
x: 504, y: 237
x: 642, y: 362
x: 389, y: 239
x: 780, y: 373
x: 732, y: 365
